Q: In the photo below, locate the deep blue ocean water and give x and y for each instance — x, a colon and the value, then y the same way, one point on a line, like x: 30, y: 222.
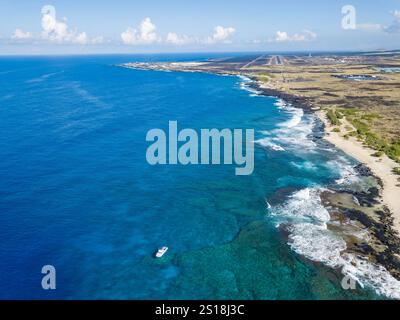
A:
x: 78, y: 194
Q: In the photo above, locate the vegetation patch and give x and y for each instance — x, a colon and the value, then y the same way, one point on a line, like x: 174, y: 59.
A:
x: 378, y: 154
x: 333, y: 118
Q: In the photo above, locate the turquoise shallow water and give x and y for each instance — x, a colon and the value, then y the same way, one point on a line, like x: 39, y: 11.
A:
x: 77, y: 192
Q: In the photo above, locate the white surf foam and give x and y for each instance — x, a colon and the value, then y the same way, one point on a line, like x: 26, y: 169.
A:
x: 310, y: 237
x: 244, y: 78
x: 296, y: 134
x: 280, y: 104
x: 316, y: 243
x: 296, y: 118
x: 267, y: 143
x: 292, y: 134
x: 305, y: 205
x: 245, y: 84
x: 371, y: 275
x: 306, y: 165
x: 345, y: 169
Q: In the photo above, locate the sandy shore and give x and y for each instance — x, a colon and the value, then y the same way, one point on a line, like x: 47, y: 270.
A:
x: 381, y: 167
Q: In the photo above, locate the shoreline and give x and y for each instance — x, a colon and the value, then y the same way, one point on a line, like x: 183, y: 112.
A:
x: 382, y: 167
x: 375, y: 211
x: 379, y: 212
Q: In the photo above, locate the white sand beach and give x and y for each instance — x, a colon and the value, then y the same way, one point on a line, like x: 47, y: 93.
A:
x: 381, y: 167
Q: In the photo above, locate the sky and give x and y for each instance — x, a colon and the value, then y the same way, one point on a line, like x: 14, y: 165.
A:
x: 130, y: 26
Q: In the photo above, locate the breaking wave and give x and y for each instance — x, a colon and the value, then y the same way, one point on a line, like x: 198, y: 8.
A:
x: 309, y: 236
x: 246, y: 84
x: 297, y: 115
x: 304, y: 215
x: 291, y: 134
x: 267, y: 143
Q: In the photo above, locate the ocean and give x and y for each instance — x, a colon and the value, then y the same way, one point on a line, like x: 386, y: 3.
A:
x: 77, y: 192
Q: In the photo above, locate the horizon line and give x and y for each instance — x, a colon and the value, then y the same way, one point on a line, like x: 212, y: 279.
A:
x: 195, y: 52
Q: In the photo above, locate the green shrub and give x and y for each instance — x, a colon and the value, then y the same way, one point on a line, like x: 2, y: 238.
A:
x: 333, y: 118
x: 338, y: 115
x: 349, y: 111
x: 378, y: 154
x: 396, y: 170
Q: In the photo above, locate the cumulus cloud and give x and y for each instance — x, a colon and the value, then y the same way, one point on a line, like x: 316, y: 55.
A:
x: 306, y: 35
x: 221, y: 34
x: 396, y: 14
x: 97, y: 40
x: 145, y: 34
x: 58, y: 31
x: 19, y: 34
x: 174, y: 38
x: 282, y: 36
x: 81, y: 38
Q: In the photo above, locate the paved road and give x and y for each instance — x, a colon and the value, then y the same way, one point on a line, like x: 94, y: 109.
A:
x: 254, y: 61
x: 276, y: 61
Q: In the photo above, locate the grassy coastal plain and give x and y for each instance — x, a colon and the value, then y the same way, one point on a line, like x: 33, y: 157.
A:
x: 357, y: 97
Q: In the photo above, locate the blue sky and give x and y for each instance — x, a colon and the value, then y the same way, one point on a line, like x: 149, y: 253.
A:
x: 123, y: 26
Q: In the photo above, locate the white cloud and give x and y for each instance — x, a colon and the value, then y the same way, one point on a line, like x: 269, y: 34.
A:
x: 58, y: 31
x: 81, y: 38
x: 97, y: 40
x: 283, y: 36
x: 145, y: 34
x: 396, y: 14
x: 54, y: 30
x: 21, y: 35
x: 221, y: 34
x: 310, y: 35
x: 395, y: 26
x: 174, y: 38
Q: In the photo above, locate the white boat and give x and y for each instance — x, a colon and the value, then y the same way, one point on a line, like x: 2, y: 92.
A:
x: 161, y: 252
